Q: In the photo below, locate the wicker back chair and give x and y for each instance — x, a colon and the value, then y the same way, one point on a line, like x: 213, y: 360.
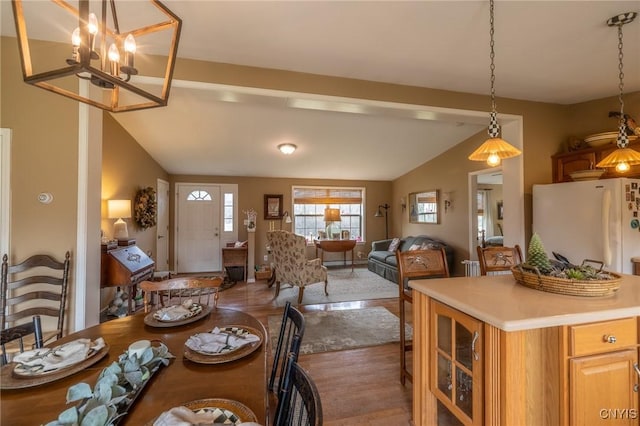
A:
x: 414, y: 264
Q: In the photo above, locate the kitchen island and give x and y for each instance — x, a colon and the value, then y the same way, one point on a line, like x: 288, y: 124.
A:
x: 490, y: 351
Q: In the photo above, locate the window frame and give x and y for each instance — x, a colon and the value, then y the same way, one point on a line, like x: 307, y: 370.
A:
x: 356, y: 232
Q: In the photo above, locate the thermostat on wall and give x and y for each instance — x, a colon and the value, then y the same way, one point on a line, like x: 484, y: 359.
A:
x: 45, y: 197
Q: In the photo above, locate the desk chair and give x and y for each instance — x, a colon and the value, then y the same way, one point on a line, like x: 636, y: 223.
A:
x: 36, y: 286
x: 414, y: 264
x: 498, y: 260
x: 176, y: 290
x: 18, y: 334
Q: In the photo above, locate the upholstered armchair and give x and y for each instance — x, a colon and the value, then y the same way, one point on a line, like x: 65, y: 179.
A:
x: 291, y: 264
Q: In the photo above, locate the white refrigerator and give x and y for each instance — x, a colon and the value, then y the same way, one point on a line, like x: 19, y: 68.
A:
x: 594, y: 219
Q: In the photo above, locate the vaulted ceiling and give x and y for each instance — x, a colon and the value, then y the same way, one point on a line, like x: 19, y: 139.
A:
x: 549, y: 51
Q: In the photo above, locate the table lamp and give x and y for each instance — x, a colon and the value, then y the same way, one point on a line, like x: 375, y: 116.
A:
x: 331, y: 216
x: 119, y: 209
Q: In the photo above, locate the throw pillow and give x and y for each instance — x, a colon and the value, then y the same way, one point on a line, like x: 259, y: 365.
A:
x: 394, y: 244
x: 415, y: 247
x: 429, y: 246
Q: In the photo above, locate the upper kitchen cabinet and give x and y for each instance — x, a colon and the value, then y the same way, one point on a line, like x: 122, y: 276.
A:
x: 565, y: 163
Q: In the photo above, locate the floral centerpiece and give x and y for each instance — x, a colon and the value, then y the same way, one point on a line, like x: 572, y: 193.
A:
x: 145, y: 207
x: 115, y: 391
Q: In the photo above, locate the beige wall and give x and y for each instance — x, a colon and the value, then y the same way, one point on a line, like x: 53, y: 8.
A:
x: 44, y: 158
x: 126, y: 168
x: 45, y: 152
x: 251, y: 191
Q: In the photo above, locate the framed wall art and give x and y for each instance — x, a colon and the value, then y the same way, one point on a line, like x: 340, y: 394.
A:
x: 273, y: 206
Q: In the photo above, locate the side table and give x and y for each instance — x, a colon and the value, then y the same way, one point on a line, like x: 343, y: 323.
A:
x: 336, y: 246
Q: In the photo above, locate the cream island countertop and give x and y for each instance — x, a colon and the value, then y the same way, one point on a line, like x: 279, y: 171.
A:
x: 500, y: 301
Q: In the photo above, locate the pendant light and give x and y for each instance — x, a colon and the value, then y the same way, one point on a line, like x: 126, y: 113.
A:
x: 623, y: 157
x: 495, y: 149
x: 105, y: 43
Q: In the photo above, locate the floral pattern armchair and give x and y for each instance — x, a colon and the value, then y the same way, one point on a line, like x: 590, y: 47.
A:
x: 291, y: 264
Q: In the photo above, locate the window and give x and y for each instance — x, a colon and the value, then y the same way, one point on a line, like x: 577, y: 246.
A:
x: 309, y: 204
x: 228, y: 211
x: 199, y: 196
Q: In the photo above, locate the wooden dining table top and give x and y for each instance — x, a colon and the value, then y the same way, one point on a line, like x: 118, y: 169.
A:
x: 243, y: 380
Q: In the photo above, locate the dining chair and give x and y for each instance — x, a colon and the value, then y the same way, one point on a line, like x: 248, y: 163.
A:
x: 18, y: 334
x: 36, y: 286
x: 498, y: 260
x: 289, y: 340
x: 299, y: 402
x: 176, y: 290
x: 414, y: 264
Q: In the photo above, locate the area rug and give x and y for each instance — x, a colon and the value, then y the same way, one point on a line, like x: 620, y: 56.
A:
x: 344, y: 286
x: 327, y: 331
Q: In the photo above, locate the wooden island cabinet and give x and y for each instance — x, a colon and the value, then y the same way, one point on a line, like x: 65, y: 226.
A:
x: 488, y: 351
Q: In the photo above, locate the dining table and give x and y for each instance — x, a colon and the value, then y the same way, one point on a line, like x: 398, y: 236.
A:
x: 243, y: 380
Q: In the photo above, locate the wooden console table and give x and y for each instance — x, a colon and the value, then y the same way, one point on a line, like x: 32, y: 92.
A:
x: 336, y: 246
x: 236, y: 256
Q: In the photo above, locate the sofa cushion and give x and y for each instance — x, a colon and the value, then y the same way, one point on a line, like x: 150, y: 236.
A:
x: 395, y: 243
x: 381, y: 256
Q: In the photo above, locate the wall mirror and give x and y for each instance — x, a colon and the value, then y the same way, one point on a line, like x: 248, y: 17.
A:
x: 423, y: 206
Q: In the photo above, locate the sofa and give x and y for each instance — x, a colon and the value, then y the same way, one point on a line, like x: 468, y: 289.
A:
x: 383, y: 262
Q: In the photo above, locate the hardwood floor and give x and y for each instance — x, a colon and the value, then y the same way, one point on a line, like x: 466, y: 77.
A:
x: 357, y: 387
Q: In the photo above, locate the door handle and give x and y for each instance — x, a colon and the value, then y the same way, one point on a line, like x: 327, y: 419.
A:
x: 160, y: 236
x: 636, y: 386
x: 476, y: 336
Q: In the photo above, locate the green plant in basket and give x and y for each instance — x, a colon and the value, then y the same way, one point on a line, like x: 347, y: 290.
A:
x: 537, y: 255
x: 538, y: 259
x: 114, y: 391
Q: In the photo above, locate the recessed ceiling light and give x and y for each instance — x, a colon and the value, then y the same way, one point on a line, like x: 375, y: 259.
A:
x: 287, y: 148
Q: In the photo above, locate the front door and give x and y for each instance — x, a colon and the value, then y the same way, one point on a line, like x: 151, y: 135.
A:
x: 198, y: 231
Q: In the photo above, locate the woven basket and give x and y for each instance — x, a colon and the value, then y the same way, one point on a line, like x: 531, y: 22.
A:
x: 531, y: 278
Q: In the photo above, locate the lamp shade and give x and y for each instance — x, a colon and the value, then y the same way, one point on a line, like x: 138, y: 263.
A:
x: 493, y: 150
x: 117, y: 209
x: 331, y: 215
x: 621, y: 159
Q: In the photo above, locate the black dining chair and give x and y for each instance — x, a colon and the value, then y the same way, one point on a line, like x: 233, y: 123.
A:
x: 18, y: 334
x: 292, y: 325
x: 299, y: 401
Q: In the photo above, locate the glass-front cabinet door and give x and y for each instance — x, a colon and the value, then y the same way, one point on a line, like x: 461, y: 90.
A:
x: 456, y: 344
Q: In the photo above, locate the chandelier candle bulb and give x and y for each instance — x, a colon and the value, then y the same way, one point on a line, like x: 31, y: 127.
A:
x: 129, y: 50
x: 114, y: 59
x: 75, y: 41
x: 93, y: 30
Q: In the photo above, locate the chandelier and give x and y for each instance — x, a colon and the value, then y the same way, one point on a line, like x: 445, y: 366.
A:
x: 623, y: 157
x: 122, y: 50
x: 495, y: 149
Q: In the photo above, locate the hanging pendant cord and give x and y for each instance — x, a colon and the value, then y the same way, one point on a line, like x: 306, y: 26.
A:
x: 622, y: 140
x: 492, y: 55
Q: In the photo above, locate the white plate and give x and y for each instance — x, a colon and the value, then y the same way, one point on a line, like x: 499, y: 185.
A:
x: 604, y: 138
x: 194, y: 310
x: 586, y: 174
